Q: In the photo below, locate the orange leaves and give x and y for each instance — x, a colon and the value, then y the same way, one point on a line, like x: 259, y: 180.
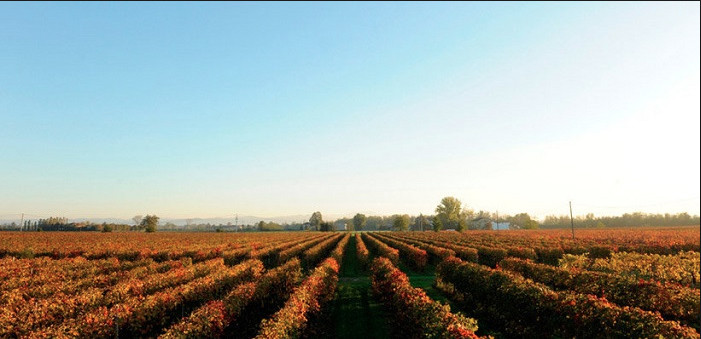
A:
x: 413, y: 311
x: 418, y: 258
x: 338, y: 251
x: 317, y: 289
x: 92, y: 284
x: 362, y: 251
x: 314, y: 254
x: 135, y: 245
x: 299, y: 247
x: 98, y: 285
x: 530, y: 308
x: 674, y: 301
x: 381, y: 248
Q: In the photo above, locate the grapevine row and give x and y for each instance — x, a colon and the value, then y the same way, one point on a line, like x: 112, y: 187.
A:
x: 381, y: 249
x: 338, y: 252
x: 673, y: 301
x: 211, y: 320
x: 462, y: 252
x: 306, y: 300
x: 314, y: 254
x: 24, y: 316
x: 141, y: 316
x: 362, y: 251
x: 415, y: 257
x: 413, y: 312
x: 681, y: 268
x: 528, y: 309
x: 299, y: 248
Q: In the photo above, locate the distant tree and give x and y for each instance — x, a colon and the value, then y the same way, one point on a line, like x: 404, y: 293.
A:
x: 401, y: 222
x: 626, y: 220
x: 106, y: 228
x: 52, y: 221
x: 421, y: 223
x: 481, y: 220
x: 484, y: 214
x: 150, y: 223
x: 373, y: 222
x: 345, y: 223
x: 137, y: 219
x: 524, y: 221
x: 268, y: 226
x: 359, y: 221
x: 450, y: 213
x: 531, y: 225
x: 327, y: 227
x: 462, y: 225
x: 437, y: 224
x: 316, y: 220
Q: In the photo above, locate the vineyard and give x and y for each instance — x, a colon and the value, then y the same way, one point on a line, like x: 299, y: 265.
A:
x: 476, y: 284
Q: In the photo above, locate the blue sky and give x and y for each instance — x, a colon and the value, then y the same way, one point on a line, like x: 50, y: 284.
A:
x: 268, y: 109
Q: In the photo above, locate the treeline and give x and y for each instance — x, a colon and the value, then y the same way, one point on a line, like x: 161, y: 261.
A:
x: 52, y: 225
x: 450, y: 215
x: 637, y: 219
x: 380, y: 223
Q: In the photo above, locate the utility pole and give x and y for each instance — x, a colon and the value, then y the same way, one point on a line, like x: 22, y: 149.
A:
x: 572, y: 220
x: 497, y: 220
x: 421, y: 219
x: 21, y: 223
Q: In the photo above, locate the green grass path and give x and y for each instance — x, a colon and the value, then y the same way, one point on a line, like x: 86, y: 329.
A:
x: 425, y: 280
x: 356, y: 313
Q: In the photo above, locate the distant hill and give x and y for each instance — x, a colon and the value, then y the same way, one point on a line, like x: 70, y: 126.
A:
x: 242, y: 220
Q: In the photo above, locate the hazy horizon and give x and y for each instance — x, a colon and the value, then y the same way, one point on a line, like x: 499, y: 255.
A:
x: 251, y: 219
x: 189, y: 110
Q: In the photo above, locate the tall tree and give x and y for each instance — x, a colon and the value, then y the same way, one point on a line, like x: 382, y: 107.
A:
x: 374, y: 222
x: 327, y: 227
x: 462, y: 225
x: 359, y: 221
x: 137, y: 219
x: 481, y: 220
x: 268, y: 226
x: 150, y: 223
x: 437, y: 224
x: 401, y: 222
x: 450, y: 212
x: 523, y: 220
x: 316, y: 220
x: 421, y: 223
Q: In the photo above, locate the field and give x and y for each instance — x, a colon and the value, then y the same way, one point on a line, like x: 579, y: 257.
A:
x: 641, y: 283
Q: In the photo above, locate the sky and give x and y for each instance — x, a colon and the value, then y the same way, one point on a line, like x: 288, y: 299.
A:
x: 270, y: 109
